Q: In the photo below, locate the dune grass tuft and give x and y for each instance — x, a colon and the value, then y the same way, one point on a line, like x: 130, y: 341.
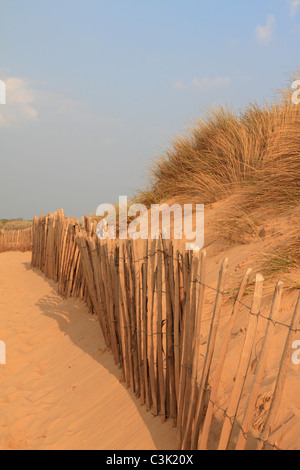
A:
x: 256, y: 152
x: 15, y: 224
x: 251, y: 159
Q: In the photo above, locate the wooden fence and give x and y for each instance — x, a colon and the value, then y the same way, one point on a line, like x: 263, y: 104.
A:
x: 16, y: 240
x: 153, y: 306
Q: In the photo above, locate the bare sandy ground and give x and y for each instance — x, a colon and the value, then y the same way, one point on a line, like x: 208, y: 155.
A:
x: 60, y: 387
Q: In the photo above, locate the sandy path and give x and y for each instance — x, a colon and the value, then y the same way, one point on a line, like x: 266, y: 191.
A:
x: 60, y: 388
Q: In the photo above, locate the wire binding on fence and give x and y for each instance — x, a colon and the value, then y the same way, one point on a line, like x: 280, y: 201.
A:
x: 225, y: 293
x: 122, y: 299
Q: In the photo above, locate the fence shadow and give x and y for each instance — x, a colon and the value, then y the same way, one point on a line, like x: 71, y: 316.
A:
x: 67, y: 314
x: 150, y: 299
x: 28, y: 267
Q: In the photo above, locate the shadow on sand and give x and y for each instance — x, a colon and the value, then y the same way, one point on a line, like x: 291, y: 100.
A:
x: 67, y: 313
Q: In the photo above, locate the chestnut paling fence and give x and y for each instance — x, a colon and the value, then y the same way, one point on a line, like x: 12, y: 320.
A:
x: 150, y: 300
x: 16, y: 240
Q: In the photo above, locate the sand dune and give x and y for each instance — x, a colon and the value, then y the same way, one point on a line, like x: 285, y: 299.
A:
x: 60, y: 387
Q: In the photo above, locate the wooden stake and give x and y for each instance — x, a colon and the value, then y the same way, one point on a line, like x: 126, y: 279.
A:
x: 281, y: 378
x: 160, y: 371
x: 209, y: 353
x: 203, y: 437
x: 243, y: 365
x: 250, y: 407
x: 197, y: 333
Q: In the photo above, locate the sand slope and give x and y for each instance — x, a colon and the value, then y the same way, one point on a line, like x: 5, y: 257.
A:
x: 60, y: 387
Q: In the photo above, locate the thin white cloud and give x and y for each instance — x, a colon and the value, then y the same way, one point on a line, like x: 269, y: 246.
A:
x: 28, y: 101
x: 19, y: 105
x: 179, y: 85
x: 294, y: 7
x: 264, y: 34
x: 205, y: 84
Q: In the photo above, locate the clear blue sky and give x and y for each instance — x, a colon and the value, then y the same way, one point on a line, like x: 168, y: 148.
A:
x: 96, y: 89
